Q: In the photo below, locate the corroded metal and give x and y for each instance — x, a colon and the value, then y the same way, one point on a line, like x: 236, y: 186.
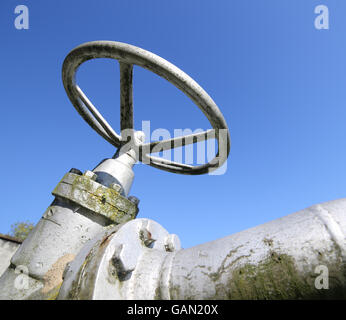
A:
x: 277, y: 260
x: 126, y: 98
x: 116, y: 265
x: 86, y: 246
x: 96, y: 197
x: 129, y: 55
x: 82, y: 209
x: 59, y: 235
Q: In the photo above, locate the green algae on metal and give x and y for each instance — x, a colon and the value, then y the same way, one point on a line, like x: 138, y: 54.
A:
x: 275, y: 278
x: 96, y: 197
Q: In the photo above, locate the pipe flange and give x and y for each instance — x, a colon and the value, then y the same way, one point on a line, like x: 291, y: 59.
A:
x: 112, y: 266
x: 89, y: 194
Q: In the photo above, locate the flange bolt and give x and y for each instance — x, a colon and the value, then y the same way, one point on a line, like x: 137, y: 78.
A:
x: 91, y: 175
x: 117, y: 187
x: 76, y: 171
x: 172, y: 243
x: 134, y: 200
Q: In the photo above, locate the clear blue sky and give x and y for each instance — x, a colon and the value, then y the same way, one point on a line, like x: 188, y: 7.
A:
x: 280, y: 83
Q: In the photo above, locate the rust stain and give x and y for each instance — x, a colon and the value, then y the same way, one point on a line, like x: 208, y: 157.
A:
x: 106, y: 239
x: 53, y: 277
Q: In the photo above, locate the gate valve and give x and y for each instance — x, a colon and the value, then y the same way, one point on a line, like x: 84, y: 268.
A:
x: 130, y: 144
x: 95, y: 203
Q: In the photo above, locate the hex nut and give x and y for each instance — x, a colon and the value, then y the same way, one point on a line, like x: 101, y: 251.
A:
x: 172, y: 243
x: 121, y: 265
x: 134, y: 200
x: 117, y: 187
x: 145, y: 237
x: 91, y: 175
x: 76, y: 171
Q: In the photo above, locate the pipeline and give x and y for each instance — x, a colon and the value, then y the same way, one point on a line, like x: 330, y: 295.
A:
x: 277, y: 260
x: 288, y: 258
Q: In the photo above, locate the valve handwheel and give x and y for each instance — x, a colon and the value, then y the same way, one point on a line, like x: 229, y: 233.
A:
x: 129, y: 55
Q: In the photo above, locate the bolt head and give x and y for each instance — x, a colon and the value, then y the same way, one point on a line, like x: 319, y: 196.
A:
x: 146, y: 237
x: 91, y: 175
x: 117, y: 187
x: 76, y: 171
x: 123, y: 261
x: 172, y: 243
x: 149, y: 242
x: 134, y: 200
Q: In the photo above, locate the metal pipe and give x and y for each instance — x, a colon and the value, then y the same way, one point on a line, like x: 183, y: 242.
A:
x: 300, y: 256
x: 281, y: 259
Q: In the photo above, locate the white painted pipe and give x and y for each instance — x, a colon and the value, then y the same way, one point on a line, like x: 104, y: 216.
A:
x: 300, y: 256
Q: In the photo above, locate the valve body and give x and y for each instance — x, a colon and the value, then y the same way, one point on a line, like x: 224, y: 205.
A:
x: 82, y: 208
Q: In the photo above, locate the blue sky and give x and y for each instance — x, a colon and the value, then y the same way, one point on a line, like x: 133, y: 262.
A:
x: 279, y: 82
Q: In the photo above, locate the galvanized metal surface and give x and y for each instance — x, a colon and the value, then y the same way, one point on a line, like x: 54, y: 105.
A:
x: 128, y: 55
x: 276, y: 260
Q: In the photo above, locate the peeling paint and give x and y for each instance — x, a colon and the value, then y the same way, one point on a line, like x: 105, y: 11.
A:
x: 53, y: 277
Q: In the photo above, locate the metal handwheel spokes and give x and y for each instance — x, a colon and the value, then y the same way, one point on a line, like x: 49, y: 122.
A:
x: 129, y: 55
